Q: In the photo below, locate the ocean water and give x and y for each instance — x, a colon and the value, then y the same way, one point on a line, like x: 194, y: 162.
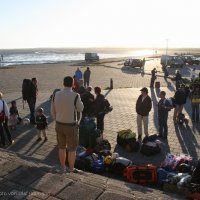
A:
x: 42, y: 56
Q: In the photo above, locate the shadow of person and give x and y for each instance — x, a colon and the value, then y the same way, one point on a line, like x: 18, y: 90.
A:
x: 187, y: 140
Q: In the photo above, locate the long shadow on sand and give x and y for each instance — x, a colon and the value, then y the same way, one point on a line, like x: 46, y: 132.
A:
x: 187, y: 140
x: 24, y: 135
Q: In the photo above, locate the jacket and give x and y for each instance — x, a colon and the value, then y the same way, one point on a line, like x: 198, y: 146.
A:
x: 41, y: 122
x: 143, y: 107
x: 180, y: 97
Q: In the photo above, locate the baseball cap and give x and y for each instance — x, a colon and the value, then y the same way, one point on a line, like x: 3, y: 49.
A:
x: 144, y: 89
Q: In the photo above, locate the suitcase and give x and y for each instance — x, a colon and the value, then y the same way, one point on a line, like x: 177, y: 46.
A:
x: 143, y: 175
x: 87, y: 133
x: 157, y: 84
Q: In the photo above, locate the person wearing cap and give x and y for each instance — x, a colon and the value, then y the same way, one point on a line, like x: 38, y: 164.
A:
x: 180, y: 99
x: 64, y: 106
x: 143, y: 107
x: 41, y: 124
x: 86, y: 76
x: 153, y: 77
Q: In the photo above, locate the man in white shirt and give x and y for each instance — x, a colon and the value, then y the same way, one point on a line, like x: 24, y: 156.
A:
x: 64, y: 105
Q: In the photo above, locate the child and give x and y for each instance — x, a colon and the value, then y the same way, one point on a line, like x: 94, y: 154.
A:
x: 41, y: 124
x: 14, y: 116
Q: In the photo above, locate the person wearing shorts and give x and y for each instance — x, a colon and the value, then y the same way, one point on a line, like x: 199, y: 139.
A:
x: 64, y: 105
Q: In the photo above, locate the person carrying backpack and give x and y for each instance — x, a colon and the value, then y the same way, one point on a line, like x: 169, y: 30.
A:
x: 164, y: 107
x: 99, y: 108
x: 29, y: 94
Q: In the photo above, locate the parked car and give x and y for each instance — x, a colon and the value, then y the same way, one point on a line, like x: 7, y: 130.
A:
x: 190, y: 59
x: 171, y: 60
x: 91, y: 57
x: 134, y: 63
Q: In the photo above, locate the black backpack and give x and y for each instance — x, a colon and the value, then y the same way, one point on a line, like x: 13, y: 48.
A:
x: 107, y: 107
x: 26, y: 89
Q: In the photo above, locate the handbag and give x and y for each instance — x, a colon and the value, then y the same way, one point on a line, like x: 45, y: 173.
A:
x: 2, y: 114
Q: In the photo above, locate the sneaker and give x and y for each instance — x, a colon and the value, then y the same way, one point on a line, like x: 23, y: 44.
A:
x: 45, y: 139
x: 77, y: 171
x: 61, y: 170
x: 139, y: 137
x: 39, y: 139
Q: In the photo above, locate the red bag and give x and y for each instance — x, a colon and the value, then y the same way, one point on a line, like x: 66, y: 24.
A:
x: 2, y: 114
x: 145, y: 174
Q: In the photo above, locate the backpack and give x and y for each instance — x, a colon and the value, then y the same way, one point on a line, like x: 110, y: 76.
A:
x: 143, y: 174
x: 181, y: 118
x: 26, y: 89
x: 126, y: 139
x: 107, y: 107
x: 171, y: 102
x: 119, y: 165
x: 150, y: 149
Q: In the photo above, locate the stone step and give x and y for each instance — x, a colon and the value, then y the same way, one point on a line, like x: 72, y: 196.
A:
x: 22, y: 177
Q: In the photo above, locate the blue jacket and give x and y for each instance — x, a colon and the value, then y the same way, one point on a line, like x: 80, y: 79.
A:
x: 78, y: 75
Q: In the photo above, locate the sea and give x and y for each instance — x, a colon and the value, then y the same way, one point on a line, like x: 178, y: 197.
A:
x: 52, y: 56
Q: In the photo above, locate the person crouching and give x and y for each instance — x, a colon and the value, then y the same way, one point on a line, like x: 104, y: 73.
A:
x: 41, y: 124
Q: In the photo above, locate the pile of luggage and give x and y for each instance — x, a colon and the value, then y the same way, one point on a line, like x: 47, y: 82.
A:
x: 178, y: 174
x: 150, y: 145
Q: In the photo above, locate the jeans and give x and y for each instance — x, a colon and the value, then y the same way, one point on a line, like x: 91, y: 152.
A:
x: 143, y: 119
x: 31, y: 104
x: 163, y: 128
x: 100, y: 122
x: 86, y: 83
x: 195, y: 112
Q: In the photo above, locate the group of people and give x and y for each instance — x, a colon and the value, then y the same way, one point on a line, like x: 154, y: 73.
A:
x: 64, y: 106
x: 177, y: 102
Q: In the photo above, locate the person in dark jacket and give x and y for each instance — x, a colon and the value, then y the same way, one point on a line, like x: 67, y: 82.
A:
x: 99, y: 108
x: 41, y: 124
x: 86, y: 77
x: 164, y: 107
x: 143, y: 107
x: 178, y: 79
x: 31, y: 100
x: 153, y: 77
x: 180, y: 99
x: 87, y: 99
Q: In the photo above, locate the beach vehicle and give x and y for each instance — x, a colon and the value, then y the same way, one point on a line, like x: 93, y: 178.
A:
x: 190, y: 60
x: 171, y: 60
x: 91, y: 57
x: 134, y: 63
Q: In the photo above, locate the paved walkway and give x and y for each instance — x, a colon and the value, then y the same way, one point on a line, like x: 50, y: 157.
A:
x: 181, y: 139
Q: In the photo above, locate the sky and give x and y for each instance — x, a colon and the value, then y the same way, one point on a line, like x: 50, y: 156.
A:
x: 99, y: 23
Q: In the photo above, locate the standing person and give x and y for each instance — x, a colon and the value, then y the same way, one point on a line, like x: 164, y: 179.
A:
x: 143, y: 107
x: 87, y: 99
x: 195, y: 94
x: 41, y: 123
x: 193, y: 74
x: 14, y: 115
x: 4, y: 112
x: 178, y: 79
x: 86, y: 76
x: 163, y: 109
x: 99, y: 108
x: 31, y: 99
x: 78, y: 75
x: 153, y: 77
x: 63, y: 107
x: 180, y: 99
